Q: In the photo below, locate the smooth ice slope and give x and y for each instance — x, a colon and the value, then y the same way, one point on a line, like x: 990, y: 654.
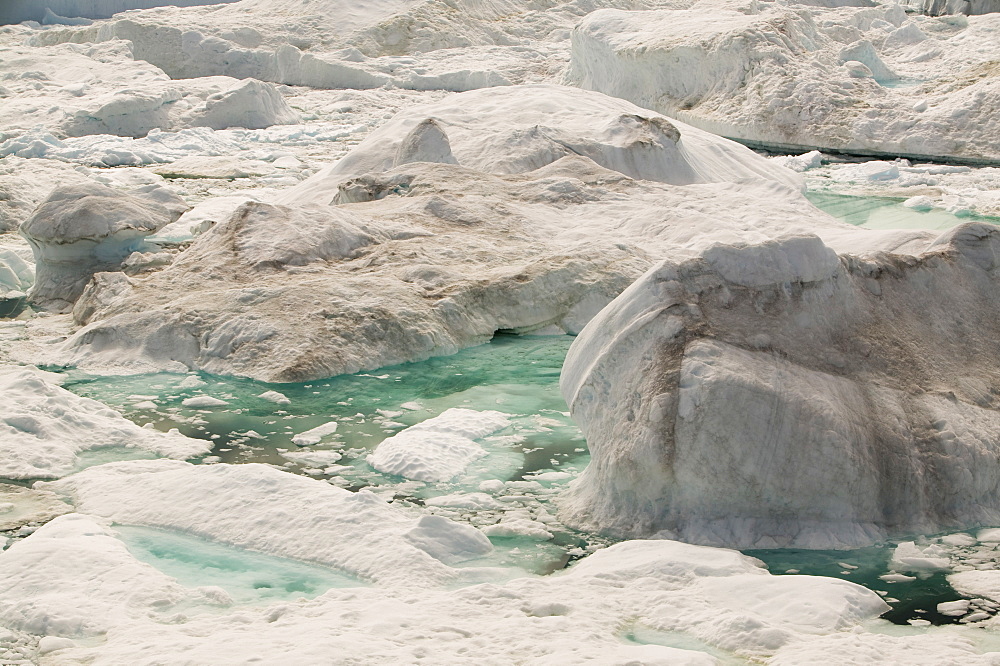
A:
x: 44, y: 428
x: 781, y: 395
x: 860, y: 80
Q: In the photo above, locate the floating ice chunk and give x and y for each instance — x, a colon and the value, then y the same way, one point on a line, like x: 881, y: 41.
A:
x: 923, y: 561
x: 959, y: 539
x: 471, y: 501
x: 492, y: 486
x: 810, y: 160
x: 954, y: 608
x: 425, y: 456
x: 991, y: 535
x: 897, y: 578
x: 203, y: 401
x: 518, y: 527
x: 315, y: 435
x: 438, y: 449
x: 145, y: 404
x: 313, y: 457
x: 412, y: 406
x: 921, y: 203
x: 470, y: 423
x: 191, y: 381
x: 275, y: 397
x: 448, y: 541
x: 44, y: 427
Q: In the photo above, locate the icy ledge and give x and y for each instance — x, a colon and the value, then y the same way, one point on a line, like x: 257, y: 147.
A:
x: 781, y: 395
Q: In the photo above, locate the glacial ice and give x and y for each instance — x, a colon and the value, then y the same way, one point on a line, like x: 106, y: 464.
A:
x: 781, y: 395
x: 796, y: 364
x: 481, y: 265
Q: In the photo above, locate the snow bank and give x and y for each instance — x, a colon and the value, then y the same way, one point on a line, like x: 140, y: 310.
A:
x: 277, y: 513
x: 83, y: 229
x: 15, y: 11
x: 45, y: 427
x: 438, y: 449
x: 778, y: 395
x: 585, y: 614
x: 797, y: 80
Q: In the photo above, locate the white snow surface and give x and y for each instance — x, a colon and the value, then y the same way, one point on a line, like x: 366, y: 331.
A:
x: 44, y: 427
x: 75, y: 90
x: 260, y: 508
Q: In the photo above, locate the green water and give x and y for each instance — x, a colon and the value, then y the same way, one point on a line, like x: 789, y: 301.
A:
x: 517, y: 375
x: 887, y: 213
x: 917, y: 599
x: 247, y: 577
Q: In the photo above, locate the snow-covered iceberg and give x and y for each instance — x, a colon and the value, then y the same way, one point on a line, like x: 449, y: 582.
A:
x: 82, y: 229
x: 553, y: 208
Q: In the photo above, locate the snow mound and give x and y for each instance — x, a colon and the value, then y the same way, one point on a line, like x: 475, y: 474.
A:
x: 778, y: 395
x: 45, y: 427
x: 519, y: 129
x: 74, y: 90
x: 72, y: 577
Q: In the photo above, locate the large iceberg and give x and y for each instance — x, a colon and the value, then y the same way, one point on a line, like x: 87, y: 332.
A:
x: 782, y: 395
x: 858, y: 80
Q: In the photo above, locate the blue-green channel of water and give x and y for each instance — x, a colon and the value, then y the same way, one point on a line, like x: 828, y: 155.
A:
x: 887, y: 213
